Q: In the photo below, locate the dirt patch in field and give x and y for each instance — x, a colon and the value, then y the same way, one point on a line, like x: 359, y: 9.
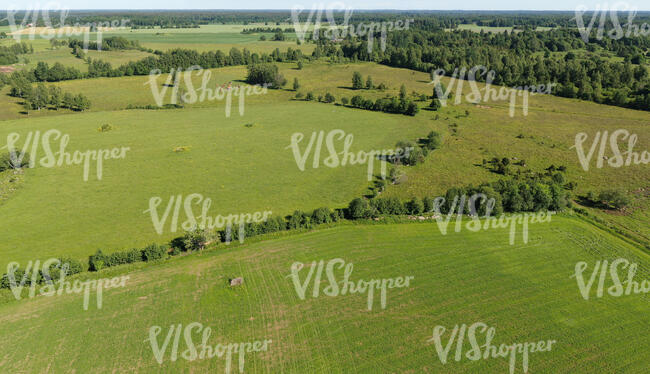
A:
x: 7, y: 69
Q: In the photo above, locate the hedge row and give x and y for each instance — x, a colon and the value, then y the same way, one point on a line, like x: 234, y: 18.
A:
x: 73, y: 267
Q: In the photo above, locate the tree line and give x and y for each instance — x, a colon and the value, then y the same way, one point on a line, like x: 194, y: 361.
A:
x: 518, y: 59
x: 42, y: 97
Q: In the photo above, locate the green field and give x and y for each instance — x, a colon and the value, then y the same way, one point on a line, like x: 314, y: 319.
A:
x: 117, y: 200
x: 253, y: 175
x: 244, y: 163
x: 524, y: 291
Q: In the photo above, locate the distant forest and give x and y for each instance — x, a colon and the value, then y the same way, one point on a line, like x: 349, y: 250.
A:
x: 602, y: 69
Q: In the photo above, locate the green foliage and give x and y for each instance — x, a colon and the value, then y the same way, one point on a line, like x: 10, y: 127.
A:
x: 414, y: 206
x: 433, y: 140
x: 198, y: 238
x: 321, y: 215
x: 358, y: 208
x: 357, y: 80
x: 614, y: 199
x: 329, y: 98
x: 265, y: 73
x: 154, y: 252
x: 97, y: 261
x: 369, y: 84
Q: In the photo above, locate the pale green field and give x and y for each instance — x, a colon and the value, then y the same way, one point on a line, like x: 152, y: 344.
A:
x: 241, y: 169
x: 524, y: 291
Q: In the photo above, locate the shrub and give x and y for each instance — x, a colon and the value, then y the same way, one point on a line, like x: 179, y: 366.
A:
x: 197, y: 239
x: 74, y: 266
x: 14, y: 160
x: 105, y: 128
x: 310, y: 96
x: 427, y: 204
x: 154, y: 252
x: 97, y: 261
x: 357, y: 81
x: 433, y: 140
x: 329, y: 98
x: 358, y: 208
x: 265, y: 73
x: 414, y: 206
x: 321, y: 215
x: 298, y: 220
x: 613, y: 198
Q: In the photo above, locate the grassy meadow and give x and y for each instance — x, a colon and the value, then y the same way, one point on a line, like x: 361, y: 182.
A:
x: 244, y: 164
x: 256, y: 174
x: 471, y: 133
x: 524, y: 291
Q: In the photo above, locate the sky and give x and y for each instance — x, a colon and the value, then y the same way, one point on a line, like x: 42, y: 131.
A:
x: 570, y: 5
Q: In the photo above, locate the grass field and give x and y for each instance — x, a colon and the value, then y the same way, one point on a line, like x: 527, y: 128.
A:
x: 255, y: 174
x: 244, y: 164
x: 524, y: 291
x: 549, y: 131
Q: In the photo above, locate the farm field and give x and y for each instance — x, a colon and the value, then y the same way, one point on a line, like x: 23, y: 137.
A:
x: 136, y: 172
x: 543, y: 137
x: 486, y: 132
x: 524, y: 291
x: 257, y: 175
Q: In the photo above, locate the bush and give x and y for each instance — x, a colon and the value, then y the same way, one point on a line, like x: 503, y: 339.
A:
x: 358, y: 208
x: 427, y: 204
x: 613, y: 198
x: 321, y: 215
x: 154, y: 252
x: 298, y: 220
x: 357, y: 81
x: 97, y: 261
x: 265, y: 73
x: 197, y: 239
x: 74, y: 266
x: 329, y: 98
x: 310, y: 96
x: 105, y: 128
x: 433, y: 140
x: 14, y: 160
x: 414, y: 206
